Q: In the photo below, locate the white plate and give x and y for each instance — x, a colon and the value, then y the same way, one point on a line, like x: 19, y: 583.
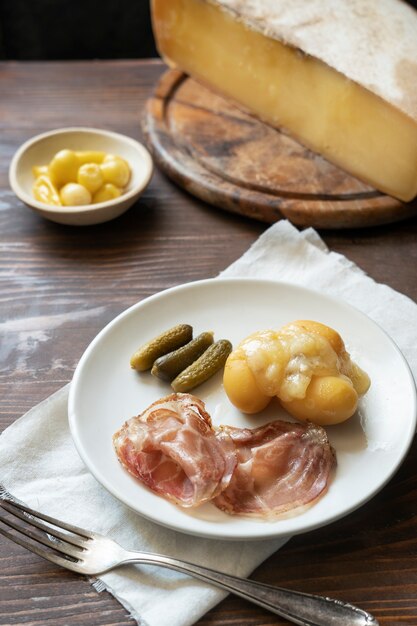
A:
x: 105, y: 392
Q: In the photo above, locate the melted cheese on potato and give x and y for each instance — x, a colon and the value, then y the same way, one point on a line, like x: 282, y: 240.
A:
x: 304, y: 364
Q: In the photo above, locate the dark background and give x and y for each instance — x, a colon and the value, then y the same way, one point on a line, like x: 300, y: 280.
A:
x: 75, y: 29
x: 78, y: 29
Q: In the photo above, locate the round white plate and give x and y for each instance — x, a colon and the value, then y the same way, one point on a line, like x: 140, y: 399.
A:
x: 105, y: 392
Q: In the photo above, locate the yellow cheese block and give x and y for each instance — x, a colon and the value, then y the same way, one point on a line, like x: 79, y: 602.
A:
x: 281, y: 71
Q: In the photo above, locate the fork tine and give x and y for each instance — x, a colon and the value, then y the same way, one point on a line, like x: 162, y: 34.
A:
x: 73, y: 540
x: 49, y: 556
x: 58, y: 545
x: 47, y: 518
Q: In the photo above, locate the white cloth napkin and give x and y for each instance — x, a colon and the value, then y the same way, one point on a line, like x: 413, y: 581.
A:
x: 39, y: 464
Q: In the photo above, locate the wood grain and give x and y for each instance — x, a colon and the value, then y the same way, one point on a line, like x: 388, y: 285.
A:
x: 60, y: 285
x: 233, y: 161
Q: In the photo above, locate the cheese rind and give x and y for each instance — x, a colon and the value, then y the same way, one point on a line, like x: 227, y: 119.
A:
x: 373, y: 43
x: 327, y: 111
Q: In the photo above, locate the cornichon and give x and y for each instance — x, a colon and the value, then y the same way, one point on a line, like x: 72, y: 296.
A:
x: 171, y: 339
x: 167, y: 367
x: 201, y: 370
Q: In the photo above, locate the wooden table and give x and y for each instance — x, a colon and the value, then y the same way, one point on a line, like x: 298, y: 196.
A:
x: 61, y: 285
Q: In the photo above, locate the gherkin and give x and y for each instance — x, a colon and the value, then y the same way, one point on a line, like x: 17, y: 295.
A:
x: 167, y: 367
x: 206, y: 366
x: 171, y: 339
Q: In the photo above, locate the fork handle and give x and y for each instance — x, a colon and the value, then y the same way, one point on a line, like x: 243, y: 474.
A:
x: 300, y: 608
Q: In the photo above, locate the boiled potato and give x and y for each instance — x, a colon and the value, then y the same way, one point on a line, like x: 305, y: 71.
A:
x: 90, y: 156
x: 360, y: 379
x: 73, y: 194
x: 90, y: 176
x: 322, y: 330
x: 241, y: 388
x: 115, y: 170
x: 328, y: 400
x: 40, y: 170
x: 74, y: 178
x: 63, y: 168
x: 106, y: 192
x: 44, y: 191
x: 304, y: 364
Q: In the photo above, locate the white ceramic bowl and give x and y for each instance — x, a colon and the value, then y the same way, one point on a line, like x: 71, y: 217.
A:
x: 40, y: 149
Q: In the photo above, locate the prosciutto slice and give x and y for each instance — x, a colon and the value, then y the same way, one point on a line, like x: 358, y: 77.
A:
x: 173, y: 449
x: 282, y: 468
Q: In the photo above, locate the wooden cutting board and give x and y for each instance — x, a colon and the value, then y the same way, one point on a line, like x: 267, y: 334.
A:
x: 233, y: 161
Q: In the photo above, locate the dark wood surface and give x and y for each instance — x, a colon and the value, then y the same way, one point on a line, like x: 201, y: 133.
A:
x: 60, y: 285
x: 230, y: 159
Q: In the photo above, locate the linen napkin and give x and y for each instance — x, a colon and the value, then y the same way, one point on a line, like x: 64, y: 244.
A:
x: 39, y: 464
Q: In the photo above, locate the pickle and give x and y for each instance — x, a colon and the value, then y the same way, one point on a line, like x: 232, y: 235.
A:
x: 201, y: 370
x: 171, y: 339
x: 167, y: 367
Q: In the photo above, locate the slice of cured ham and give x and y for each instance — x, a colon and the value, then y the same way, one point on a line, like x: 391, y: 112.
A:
x: 282, y: 468
x: 173, y: 449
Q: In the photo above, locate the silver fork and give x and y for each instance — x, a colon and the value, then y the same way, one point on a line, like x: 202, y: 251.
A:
x: 90, y: 553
